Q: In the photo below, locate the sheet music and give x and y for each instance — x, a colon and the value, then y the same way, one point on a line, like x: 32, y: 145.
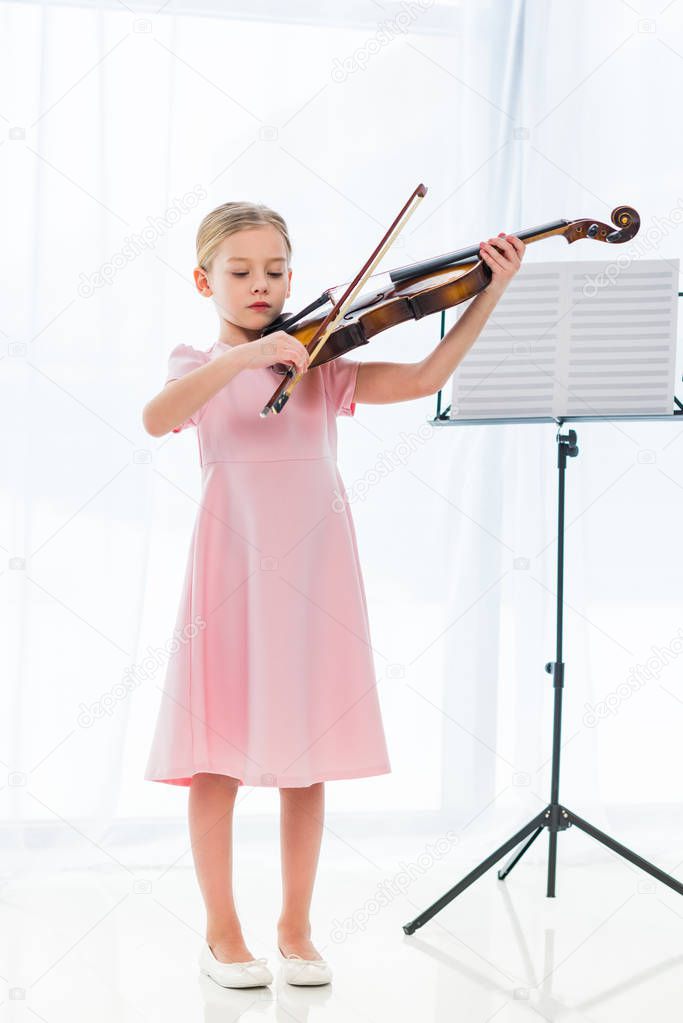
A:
x: 575, y: 338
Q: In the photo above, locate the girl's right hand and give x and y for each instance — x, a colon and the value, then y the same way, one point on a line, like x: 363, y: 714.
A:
x: 278, y: 347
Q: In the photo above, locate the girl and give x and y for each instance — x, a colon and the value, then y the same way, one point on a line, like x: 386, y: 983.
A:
x: 273, y: 681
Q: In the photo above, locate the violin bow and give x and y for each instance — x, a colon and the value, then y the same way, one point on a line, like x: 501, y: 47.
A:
x: 279, y: 398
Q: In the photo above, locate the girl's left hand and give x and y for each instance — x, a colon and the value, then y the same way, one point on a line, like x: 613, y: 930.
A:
x: 504, y: 256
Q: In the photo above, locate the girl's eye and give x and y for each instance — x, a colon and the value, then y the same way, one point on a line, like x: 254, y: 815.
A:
x: 236, y: 273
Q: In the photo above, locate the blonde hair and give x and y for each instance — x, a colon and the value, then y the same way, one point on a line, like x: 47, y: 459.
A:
x: 231, y: 217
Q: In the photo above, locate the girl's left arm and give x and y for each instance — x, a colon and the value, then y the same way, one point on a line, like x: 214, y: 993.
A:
x: 383, y: 382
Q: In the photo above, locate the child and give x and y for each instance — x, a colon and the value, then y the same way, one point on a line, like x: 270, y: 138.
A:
x: 273, y: 682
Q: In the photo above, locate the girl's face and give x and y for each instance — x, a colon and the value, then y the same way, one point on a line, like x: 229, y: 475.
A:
x: 248, y: 267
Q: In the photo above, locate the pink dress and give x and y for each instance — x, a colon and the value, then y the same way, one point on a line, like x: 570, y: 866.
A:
x: 272, y: 678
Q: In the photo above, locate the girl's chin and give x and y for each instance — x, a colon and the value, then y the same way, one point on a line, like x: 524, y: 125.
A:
x: 250, y: 330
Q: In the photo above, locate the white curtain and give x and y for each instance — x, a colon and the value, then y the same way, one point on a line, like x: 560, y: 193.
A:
x: 120, y: 131
x: 567, y: 129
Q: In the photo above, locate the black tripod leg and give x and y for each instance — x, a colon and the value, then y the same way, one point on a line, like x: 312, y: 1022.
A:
x: 552, y: 862
x: 628, y: 854
x: 474, y: 874
x: 503, y: 873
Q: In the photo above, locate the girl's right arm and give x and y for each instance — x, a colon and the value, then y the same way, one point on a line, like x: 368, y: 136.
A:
x: 181, y: 398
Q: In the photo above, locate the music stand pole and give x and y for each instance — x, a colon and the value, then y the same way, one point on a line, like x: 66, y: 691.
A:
x: 554, y: 817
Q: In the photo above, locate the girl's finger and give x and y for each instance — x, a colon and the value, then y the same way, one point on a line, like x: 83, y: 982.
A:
x: 511, y: 256
x: 297, y: 359
x: 517, y: 243
x: 504, y: 246
x: 492, y: 257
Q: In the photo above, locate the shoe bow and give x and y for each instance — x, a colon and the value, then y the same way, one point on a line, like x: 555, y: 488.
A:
x: 309, y: 962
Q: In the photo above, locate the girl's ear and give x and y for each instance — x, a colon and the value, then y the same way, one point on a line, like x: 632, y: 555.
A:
x: 201, y: 281
x: 289, y: 284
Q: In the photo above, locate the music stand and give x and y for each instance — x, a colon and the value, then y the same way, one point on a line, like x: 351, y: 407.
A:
x: 555, y: 817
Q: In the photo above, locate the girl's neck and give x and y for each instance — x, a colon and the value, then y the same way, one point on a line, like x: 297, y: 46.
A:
x: 232, y: 334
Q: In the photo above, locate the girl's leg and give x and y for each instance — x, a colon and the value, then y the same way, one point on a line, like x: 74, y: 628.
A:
x: 301, y: 825
x: 211, y: 803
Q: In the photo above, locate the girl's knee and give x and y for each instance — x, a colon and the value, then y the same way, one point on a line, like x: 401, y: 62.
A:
x: 224, y: 781
x: 300, y: 789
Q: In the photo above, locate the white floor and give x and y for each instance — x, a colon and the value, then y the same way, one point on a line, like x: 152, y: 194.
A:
x: 121, y: 944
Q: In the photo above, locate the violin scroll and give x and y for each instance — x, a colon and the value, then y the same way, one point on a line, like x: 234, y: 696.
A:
x: 625, y: 218
x: 628, y: 222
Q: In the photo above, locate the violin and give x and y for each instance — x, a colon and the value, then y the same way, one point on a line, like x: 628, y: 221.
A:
x: 411, y: 292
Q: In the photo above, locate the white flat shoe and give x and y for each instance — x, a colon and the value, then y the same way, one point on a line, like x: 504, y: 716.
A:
x: 253, y: 973
x: 298, y: 970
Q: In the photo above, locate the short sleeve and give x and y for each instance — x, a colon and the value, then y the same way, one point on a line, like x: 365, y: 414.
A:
x: 183, y: 359
x: 340, y: 384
